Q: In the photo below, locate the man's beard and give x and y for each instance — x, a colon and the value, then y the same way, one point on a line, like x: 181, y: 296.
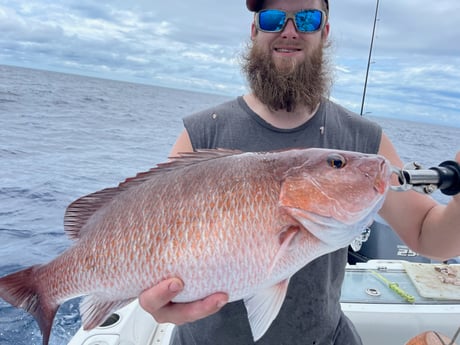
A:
x: 289, y: 85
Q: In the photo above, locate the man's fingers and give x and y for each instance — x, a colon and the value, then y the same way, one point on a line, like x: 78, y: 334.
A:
x: 160, y: 295
x: 157, y: 302
x: 180, y: 313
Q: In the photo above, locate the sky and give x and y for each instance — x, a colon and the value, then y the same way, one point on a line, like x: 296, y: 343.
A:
x: 414, y: 74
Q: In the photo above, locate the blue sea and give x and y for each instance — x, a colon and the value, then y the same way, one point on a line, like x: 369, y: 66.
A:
x: 63, y: 136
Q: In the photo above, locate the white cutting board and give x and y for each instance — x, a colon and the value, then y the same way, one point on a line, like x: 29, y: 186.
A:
x: 429, y: 285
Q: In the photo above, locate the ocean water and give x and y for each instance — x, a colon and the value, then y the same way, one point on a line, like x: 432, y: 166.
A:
x: 64, y: 136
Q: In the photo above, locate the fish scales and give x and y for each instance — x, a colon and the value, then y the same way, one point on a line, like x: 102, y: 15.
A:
x: 240, y: 223
x: 189, y: 240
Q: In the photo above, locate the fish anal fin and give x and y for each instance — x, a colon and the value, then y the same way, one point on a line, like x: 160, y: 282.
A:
x: 20, y: 290
x: 264, y: 306
x: 94, y: 310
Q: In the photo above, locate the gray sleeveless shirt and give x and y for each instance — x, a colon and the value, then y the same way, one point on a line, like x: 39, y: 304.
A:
x: 311, y: 313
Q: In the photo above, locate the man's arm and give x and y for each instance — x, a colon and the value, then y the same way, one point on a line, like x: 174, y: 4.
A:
x: 427, y: 227
x: 183, y: 144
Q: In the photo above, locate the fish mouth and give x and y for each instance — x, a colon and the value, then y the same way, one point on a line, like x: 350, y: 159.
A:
x: 380, y: 186
x: 382, y: 180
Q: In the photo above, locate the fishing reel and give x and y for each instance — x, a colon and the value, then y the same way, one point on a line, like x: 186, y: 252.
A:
x: 445, y: 177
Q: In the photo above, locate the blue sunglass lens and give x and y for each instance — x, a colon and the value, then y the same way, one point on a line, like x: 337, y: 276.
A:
x: 308, y: 21
x: 275, y: 20
x: 272, y: 20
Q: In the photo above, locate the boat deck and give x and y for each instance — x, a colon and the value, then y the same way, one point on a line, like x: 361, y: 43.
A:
x: 382, y: 316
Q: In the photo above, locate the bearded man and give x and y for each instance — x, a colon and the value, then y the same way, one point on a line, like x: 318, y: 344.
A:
x: 288, y: 107
x: 280, y: 81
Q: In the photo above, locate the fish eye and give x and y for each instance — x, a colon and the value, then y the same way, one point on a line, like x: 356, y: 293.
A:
x: 336, y: 161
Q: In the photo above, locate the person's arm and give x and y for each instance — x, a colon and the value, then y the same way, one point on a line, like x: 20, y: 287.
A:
x: 427, y: 227
x: 157, y: 300
x: 183, y: 144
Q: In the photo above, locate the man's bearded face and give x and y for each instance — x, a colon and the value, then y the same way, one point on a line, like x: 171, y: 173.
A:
x: 285, y: 83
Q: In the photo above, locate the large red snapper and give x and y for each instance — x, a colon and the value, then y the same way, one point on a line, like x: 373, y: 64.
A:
x: 241, y: 223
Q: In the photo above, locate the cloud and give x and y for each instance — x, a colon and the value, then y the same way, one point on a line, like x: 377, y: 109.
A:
x: 196, y: 45
x: 140, y: 43
x: 415, y: 65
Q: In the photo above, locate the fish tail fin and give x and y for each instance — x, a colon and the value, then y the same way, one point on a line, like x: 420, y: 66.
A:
x: 21, y: 290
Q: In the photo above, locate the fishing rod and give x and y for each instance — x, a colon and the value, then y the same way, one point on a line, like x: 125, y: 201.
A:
x: 370, y: 57
x: 445, y: 177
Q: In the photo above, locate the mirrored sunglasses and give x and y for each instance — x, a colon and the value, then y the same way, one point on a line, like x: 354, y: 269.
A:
x: 272, y: 20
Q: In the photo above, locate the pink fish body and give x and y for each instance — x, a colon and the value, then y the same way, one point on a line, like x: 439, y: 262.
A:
x: 222, y: 221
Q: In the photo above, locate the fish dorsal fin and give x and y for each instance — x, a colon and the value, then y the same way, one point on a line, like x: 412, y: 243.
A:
x: 79, y: 211
x: 264, y: 306
x: 95, y: 310
x: 189, y: 158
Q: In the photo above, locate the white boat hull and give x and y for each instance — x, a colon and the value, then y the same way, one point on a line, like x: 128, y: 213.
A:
x: 134, y: 327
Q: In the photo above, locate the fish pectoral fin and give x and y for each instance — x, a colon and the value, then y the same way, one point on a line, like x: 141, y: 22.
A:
x: 264, y: 306
x: 94, y: 310
x: 285, y: 239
